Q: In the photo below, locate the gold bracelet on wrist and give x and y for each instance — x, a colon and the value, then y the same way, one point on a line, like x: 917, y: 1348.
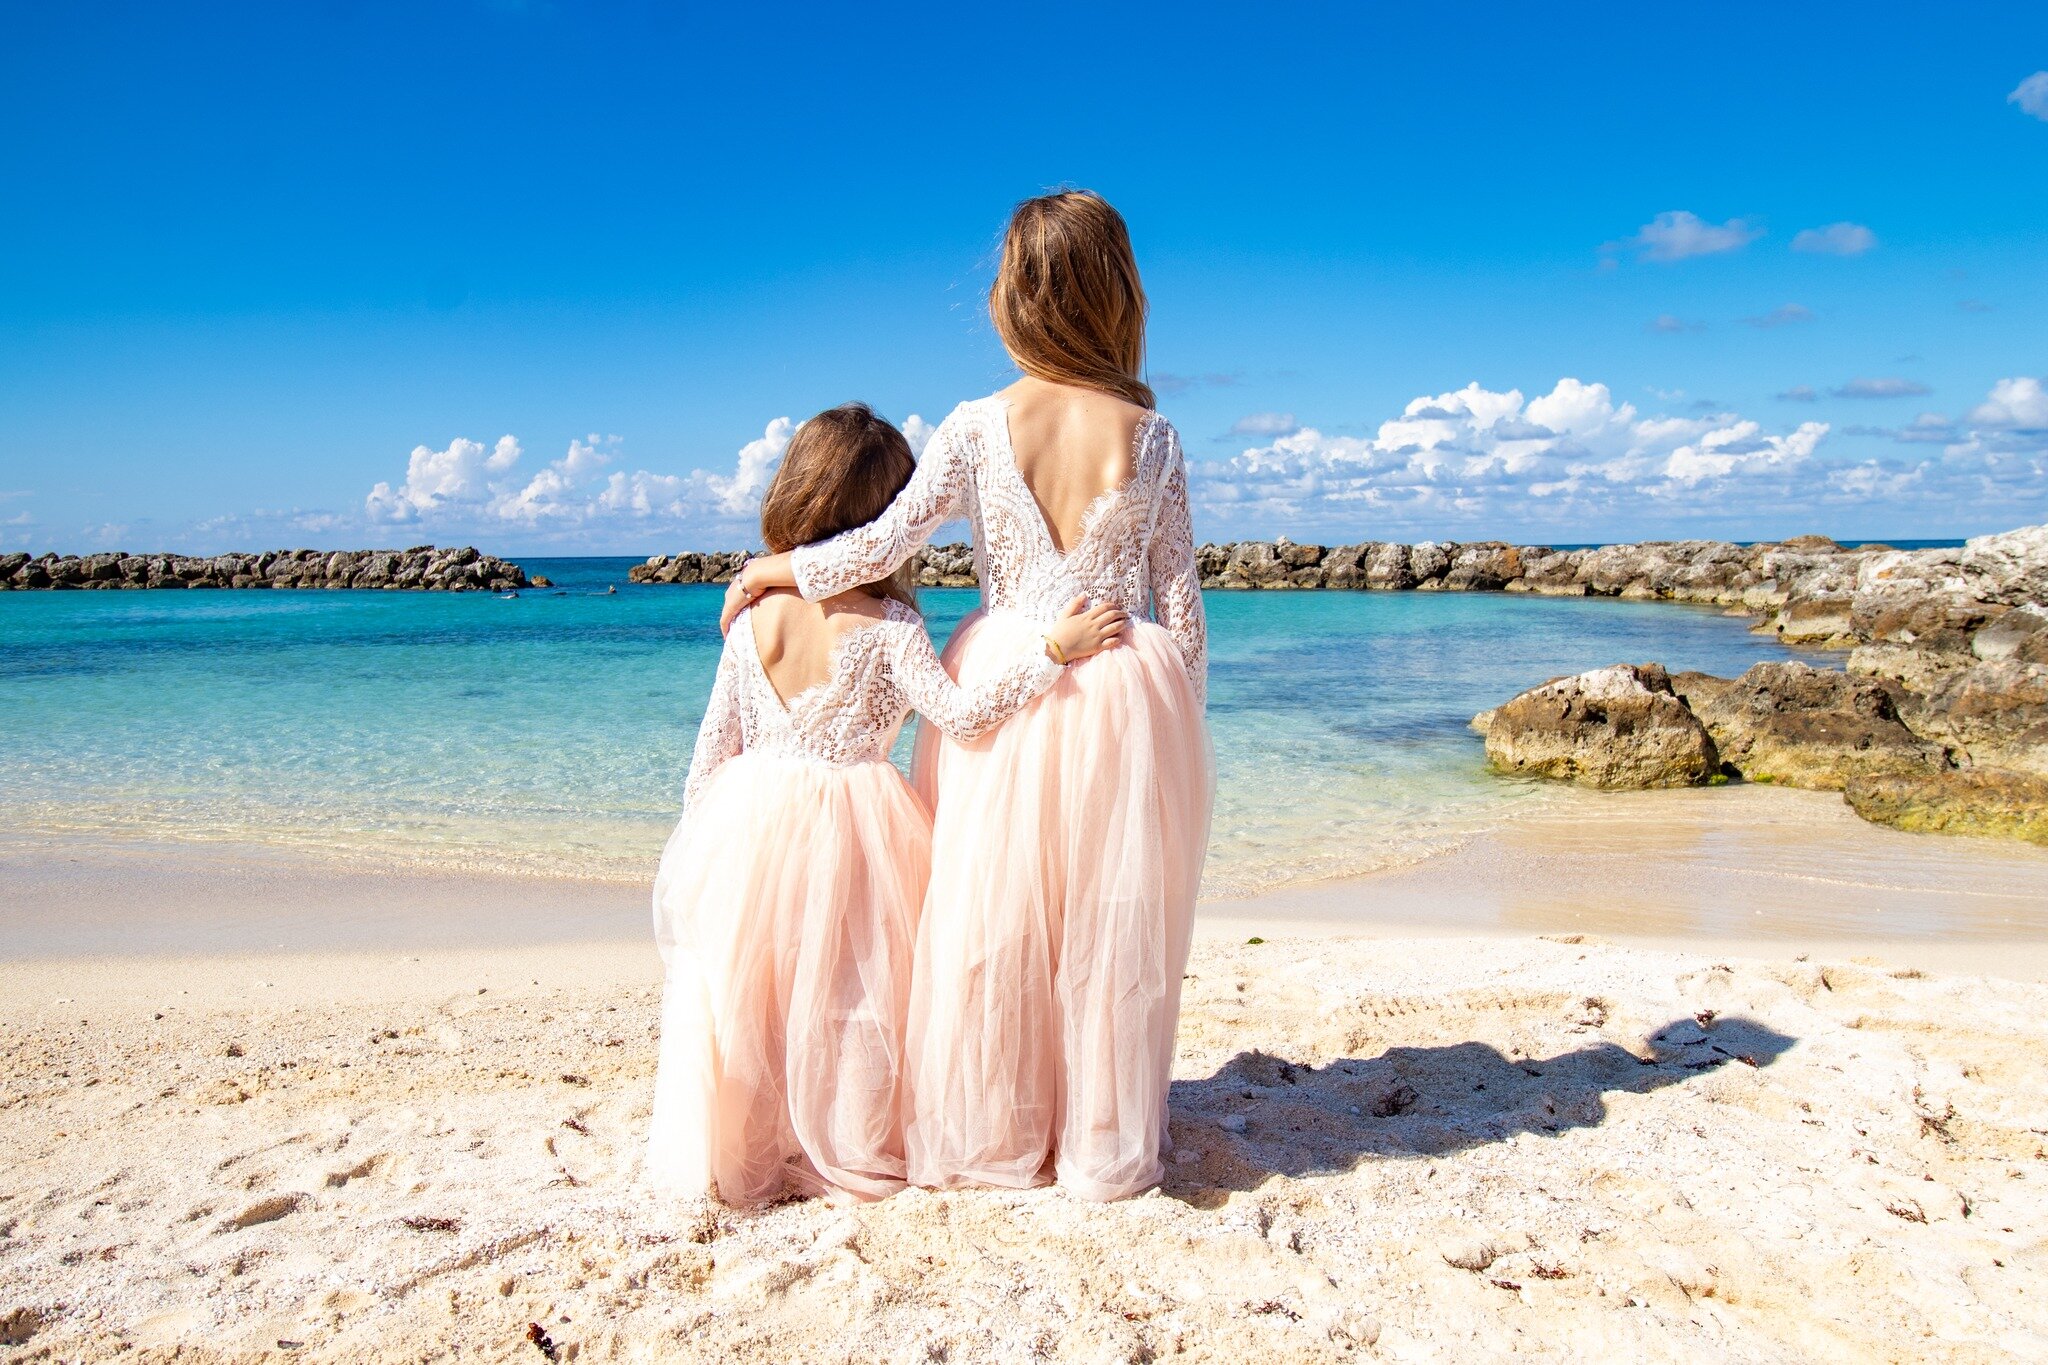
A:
x: 1059, y: 656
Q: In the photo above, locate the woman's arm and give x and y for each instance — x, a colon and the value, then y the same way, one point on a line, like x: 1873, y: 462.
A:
x: 967, y: 713
x: 1176, y: 585
x: 935, y: 495
x: 721, y: 736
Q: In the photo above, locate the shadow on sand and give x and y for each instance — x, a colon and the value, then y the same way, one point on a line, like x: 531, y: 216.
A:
x: 1420, y: 1101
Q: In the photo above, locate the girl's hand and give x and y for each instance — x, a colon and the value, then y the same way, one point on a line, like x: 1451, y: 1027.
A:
x: 1083, y: 630
x: 737, y: 600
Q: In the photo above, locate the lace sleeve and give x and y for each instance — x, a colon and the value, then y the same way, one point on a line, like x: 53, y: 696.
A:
x: 965, y: 713
x: 1176, y: 585
x: 935, y: 495
x: 721, y: 735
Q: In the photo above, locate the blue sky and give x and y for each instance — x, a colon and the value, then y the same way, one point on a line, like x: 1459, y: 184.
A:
x: 1450, y: 271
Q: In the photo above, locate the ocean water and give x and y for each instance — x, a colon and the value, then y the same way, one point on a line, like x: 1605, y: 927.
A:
x: 551, y: 733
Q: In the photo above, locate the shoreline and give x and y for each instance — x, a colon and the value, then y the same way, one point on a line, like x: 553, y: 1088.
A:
x: 1759, y: 871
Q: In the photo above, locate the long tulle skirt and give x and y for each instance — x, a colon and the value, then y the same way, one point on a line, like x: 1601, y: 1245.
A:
x: 1067, y: 848
x: 786, y: 907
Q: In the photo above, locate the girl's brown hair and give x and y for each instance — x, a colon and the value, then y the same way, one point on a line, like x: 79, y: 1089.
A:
x: 842, y: 469
x: 1067, y: 302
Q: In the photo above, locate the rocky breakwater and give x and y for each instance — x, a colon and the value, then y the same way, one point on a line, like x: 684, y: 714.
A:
x: 1939, y: 722
x: 424, y: 568
x: 936, y: 566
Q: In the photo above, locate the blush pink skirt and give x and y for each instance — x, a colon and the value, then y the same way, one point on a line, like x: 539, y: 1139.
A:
x: 1067, y: 849
x: 786, y: 907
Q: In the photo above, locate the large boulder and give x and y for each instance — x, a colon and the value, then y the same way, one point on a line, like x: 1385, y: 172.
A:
x: 2021, y: 633
x: 1387, y: 567
x: 1986, y: 801
x: 1996, y: 712
x: 1812, y: 727
x: 1617, y: 728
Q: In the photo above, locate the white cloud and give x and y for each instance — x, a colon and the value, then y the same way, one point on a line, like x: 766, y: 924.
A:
x: 459, y: 474
x: 1576, y: 464
x: 918, y: 432
x: 465, y: 490
x: 1799, y: 393
x: 1264, y: 424
x: 1887, y: 386
x: 1677, y: 235
x: 1671, y: 322
x: 2032, y: 95
x: 1836, y: 239
x: 2014, y: 404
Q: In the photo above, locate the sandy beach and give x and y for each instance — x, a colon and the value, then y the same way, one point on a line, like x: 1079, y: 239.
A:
x: 1448, y: 1112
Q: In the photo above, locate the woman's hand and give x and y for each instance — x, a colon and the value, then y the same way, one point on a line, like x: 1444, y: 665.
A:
x: 1083, y: 630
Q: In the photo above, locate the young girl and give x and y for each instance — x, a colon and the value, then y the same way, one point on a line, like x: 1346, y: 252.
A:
x: 1067, y: 847
x: 787, y: 901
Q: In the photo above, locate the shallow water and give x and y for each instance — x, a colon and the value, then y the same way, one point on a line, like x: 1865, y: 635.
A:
x: 551, y: 733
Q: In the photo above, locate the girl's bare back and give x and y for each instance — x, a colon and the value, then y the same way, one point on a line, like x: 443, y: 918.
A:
x: 795, y: 638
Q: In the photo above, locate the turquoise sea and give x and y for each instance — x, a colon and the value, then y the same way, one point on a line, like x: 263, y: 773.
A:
x: 551, y: 733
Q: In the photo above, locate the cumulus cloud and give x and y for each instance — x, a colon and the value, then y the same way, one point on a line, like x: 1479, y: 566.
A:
x: 1264, y: 424
x: 1575, y: 464
x: 2032, y: 95
x: 1887, y: 386
x: 584, y: 497
x: 2015, y: 405
x: 1677, y: 235
x: 1784, y: 315
x: 1836, y: 239
x: 460, y: 474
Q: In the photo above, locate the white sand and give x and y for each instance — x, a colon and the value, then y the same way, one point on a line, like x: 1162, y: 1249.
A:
x: 209, y: 1158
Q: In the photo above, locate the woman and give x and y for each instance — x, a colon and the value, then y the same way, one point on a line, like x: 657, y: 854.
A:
x: 1067, y: 847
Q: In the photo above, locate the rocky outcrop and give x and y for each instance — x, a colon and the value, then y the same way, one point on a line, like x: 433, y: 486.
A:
x: 422, y: 568
x: 1983, y: 801
x: 936, y: 566
x: 1944, y: 744
x: 1618, y: 727
x: 1808, y: 727
x: 1808, y: 590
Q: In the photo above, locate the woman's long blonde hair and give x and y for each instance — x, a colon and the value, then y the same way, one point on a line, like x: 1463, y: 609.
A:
x: 1067, y: 301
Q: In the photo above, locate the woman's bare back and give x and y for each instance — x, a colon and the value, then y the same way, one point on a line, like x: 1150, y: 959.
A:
x: 1072, y: 445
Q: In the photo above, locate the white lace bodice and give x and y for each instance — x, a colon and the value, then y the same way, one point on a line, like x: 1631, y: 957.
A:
x: 1136, y: 548
x: 880, y: 673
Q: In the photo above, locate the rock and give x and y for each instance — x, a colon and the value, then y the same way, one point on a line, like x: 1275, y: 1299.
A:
x: 1344, y: 565
x: 1983, y: 801
x: 2006, y: 636
x: 1469, y: 1252
x: 1387, y: 568
x: 1485, y: 567
x: 1429, y: 562
x: 1810, y: 727
x: 1817, y: 620
x: 1481, y: 723
x: 1232, y: 1123
x: 460, y: 569
x: 541, y: 580
x: 1621, y: 727
x: 1996, y: 712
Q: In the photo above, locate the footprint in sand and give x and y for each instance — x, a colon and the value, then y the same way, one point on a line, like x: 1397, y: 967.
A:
x: 264, y: 1211
x: 363, y: 1169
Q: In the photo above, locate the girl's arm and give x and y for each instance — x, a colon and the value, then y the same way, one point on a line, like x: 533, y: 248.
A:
x: 967, y: 713
x: 935, y: 495
x: 1176, y: 586
x: 721, y: 736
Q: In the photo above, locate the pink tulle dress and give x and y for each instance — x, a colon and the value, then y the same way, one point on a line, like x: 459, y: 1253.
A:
x: 1067, y: 845
x: 786, y: 908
